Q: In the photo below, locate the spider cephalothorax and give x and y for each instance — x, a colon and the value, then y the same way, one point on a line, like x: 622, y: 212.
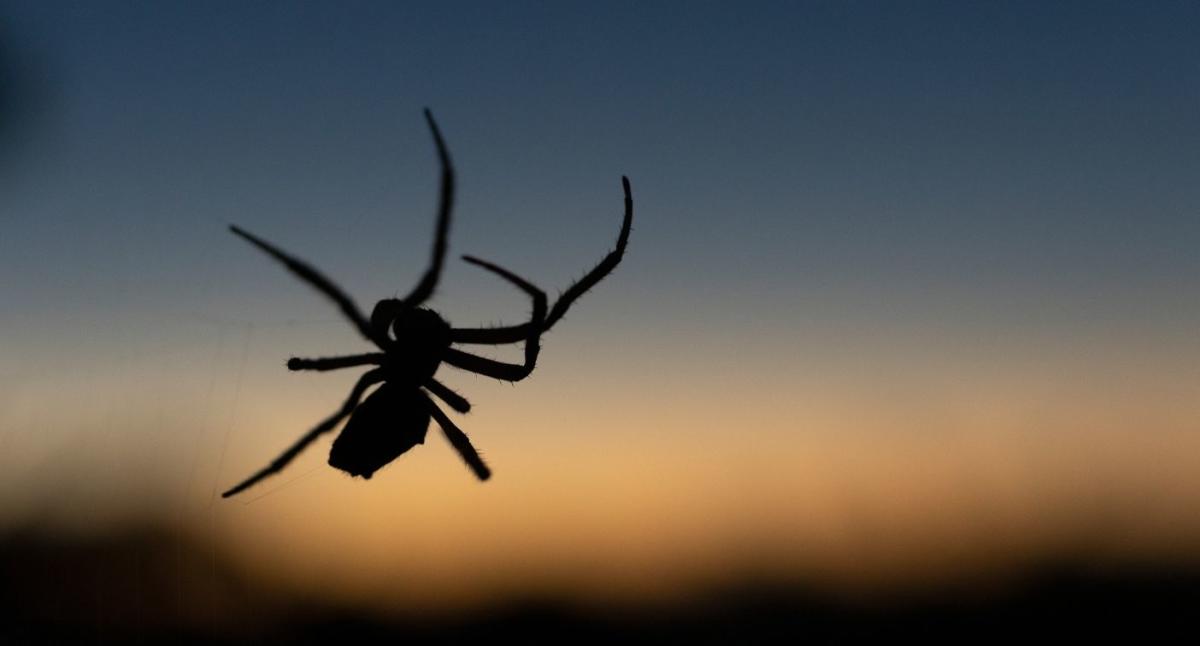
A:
x: 413, y: 341
x: 419, y: 339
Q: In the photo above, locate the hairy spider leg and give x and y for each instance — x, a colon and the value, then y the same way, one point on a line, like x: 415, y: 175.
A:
x: 515, y: 333
x: 499, y: 369
x: 424, y: 289
x: 336, y: 363
x: 366, y: 381
x: 460, y: 442
x: 455, y: 400
x: 310, y: 275
x: 602, y: 269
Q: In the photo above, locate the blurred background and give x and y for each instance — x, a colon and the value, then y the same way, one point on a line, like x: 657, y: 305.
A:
x: 905, y: 338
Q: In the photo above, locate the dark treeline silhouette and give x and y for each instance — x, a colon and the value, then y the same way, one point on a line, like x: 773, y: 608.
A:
x: 152, y: 585
x: 414, y: 341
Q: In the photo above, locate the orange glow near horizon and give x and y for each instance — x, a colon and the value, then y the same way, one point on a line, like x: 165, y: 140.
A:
x: 654, y: 488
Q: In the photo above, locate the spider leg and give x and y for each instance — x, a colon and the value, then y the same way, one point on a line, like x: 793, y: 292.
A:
x: 460, y: 442
x: 602, y: 269
x: 511, y: 334
x: 313, y: 277
x: 491, y: 367
x: 490, y: 336
x: 455, y: 400
x: 335, y: 363
x: 424, y: 289
x: 498, y: 369
x: 277, y: 465
x: 515, y: 333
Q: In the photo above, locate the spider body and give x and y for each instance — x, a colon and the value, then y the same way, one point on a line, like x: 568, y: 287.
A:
x: 389, y: 422
x: 413, y: 342
x: 420, y: 338
x: 394, y: 418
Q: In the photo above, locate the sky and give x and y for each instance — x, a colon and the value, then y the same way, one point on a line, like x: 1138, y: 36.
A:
x: 911, y: 295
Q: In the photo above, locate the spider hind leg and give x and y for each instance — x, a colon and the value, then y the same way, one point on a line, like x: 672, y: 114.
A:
x: 364, y: 382
x: 460, y: 442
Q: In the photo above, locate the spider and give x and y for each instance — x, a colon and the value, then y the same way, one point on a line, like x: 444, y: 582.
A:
x: 414, y: 341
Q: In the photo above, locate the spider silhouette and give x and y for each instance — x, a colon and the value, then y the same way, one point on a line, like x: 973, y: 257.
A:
x: 396, y: 416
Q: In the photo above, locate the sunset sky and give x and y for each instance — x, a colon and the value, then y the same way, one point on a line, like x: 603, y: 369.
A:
x: 912, y: 295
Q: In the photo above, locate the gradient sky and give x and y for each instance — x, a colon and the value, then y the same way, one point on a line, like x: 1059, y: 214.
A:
x: 912, y: 291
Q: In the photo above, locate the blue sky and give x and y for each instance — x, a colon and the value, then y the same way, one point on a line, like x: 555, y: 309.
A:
x: 831, y: 139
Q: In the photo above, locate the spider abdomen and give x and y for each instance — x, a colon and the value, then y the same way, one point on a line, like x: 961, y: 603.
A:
x: 389, y: 422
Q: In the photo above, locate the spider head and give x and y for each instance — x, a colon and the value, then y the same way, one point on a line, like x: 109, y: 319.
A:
x: 415, y: 337
x: 405, y: 322
x: 420, y: 324
x: 384, y: 313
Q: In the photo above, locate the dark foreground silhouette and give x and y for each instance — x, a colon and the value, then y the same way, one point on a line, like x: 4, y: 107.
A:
x: 414, y: 341
x: 153, y: 586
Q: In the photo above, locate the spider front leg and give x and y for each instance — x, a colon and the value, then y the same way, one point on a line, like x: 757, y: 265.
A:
x: 514, y: 333
x: 499, y: 369
x: 318, y: 281
x: 366, y: 381
x: 425, y: 287
x: 460, y: 442
x: 602, y: 269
